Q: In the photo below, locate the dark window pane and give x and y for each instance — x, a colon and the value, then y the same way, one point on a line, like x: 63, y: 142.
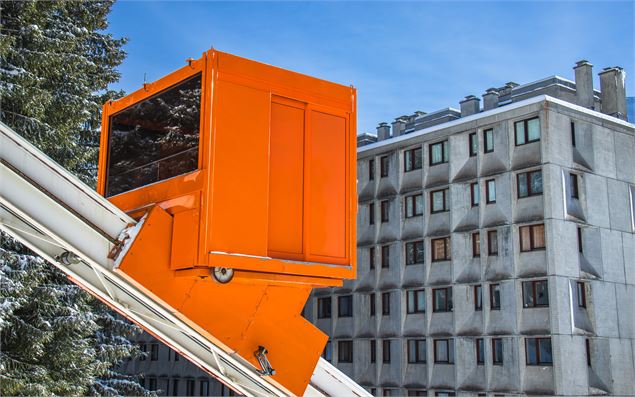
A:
x: 533, y: 130
x: 532, y: 356
x: 473, y: 145
x: 345, y: 306
x: 522, y: 186
x: 480, y: 351
x: 528, y: 294
x: 536, y: 182
x: 542, y: 294
x: 155, y: 139
x: 491, y: 191
x: 545, y: 351
x: 489, y: 141
x: 519, y: 127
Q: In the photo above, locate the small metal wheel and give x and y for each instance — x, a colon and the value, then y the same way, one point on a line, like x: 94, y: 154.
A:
x: 222, y: 274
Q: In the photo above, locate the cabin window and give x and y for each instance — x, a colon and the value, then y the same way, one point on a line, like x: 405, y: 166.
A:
x: 155, y: 139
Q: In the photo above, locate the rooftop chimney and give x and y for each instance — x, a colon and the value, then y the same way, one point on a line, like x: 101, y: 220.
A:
x: 584, y: 84
x: 383, y: 131
x: 490, y: 99
x: 613, y: 92
x: 470, y: 105
x: 398, y: 126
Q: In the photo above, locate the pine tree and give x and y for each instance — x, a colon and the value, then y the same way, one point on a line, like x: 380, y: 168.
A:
x: 56, y: 64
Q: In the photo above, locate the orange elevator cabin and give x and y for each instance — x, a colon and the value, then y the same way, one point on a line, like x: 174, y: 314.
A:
x: 243, y: 178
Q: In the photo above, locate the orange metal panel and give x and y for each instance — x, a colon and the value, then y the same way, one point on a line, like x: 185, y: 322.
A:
x: 327, y: 180
x: 184, y: 239
x: 286, y: 175
x: 240, y: 187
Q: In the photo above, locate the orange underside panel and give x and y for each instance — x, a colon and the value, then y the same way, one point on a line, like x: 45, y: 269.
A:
x: 240, y: 316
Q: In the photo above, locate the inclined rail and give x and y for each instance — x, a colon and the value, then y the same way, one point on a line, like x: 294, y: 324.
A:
x: 72, y: 227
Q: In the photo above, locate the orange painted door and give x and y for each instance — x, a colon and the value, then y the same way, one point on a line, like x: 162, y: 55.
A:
x: 286, y: 180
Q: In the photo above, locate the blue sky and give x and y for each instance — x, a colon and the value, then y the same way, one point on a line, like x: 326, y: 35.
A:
x: 401, y: 56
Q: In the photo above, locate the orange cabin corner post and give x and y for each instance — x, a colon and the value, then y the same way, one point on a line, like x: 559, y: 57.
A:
x: 244, y: 168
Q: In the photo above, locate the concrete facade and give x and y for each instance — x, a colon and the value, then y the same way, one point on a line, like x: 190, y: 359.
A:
x: 167, y: 373
x: 555, y: 318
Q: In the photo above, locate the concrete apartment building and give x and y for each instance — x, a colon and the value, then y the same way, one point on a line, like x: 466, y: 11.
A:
x: 496, y: 248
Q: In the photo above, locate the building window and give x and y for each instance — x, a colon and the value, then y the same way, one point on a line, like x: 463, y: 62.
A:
x: 476, y: 244
x: 444, y: 394
x: 385, y: 256
x: 581, y: 292
x: 385, y: 351
x: 175, y: 387
x: 345, y: 351
x: 417, y: 393
x: 416, y: 351
x: 473, y: 144
x: 324, y: 307
x: 203, y: 388
x: 371, y: 258
x: 152, y: 384
x: 490, y: 191
x: 383, y: 166
x: 147, y: 144
x: 572, y: 134
x: 154, y: 352
x: 373, y: 350
x: 439, y: 153
x: 495, y: 296
x: 371, y: 299
x: 488, y: 140
x: 345, y: 306
x: 538, y: 351
x: 444, y: 351
x: 440, y: 201
x: 497, y: 351
x: 478, y: 298
x: 587, y: 346
x: 527, y: 131
x: 580, y: 250
x: 371, y: 170
x: 414, y: 252
x: 532, y: 237
x: 492, y: 242
x: 327, y: 353
x: 475, y: 195
x: 373, y: 391
x: 414, y: 205
x: 441, y: 249
x: 371, y: 213
x: 442, y: 299
x: 385, y: 303
x: 385, y: 211
x: 573, y: 185
x: 529, y: 184
x: 480, y: 351
x: 412, y: 159
x: 190, y: 384
x: 416, y: 301
x: 535, y: 293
